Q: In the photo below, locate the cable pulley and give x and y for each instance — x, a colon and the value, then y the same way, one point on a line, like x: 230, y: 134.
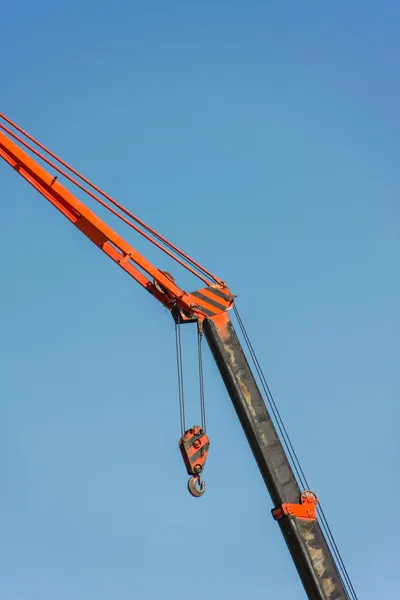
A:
x: 194, y: 446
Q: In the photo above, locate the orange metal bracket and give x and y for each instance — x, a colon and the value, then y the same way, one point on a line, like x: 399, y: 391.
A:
x: 306, y: 509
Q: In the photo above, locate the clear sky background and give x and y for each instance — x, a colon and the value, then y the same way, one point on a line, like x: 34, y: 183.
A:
x: 263, y: 139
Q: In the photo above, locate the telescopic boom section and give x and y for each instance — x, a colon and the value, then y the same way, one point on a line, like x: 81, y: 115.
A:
x: 294, y: 510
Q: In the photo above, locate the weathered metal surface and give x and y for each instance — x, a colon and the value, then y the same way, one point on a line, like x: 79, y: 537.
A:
x: 305, y: 539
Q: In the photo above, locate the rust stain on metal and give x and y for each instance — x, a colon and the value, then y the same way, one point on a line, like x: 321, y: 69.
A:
x: 247, y: 397
x: 243, y: 387
x: 318, y: 559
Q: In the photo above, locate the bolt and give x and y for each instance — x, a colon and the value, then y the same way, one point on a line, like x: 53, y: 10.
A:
x: 197, y: 443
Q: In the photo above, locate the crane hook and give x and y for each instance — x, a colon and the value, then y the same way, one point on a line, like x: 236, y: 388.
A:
x: 192, y: 486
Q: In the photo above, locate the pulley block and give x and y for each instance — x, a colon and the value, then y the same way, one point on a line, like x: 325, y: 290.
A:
x: 194, y: 445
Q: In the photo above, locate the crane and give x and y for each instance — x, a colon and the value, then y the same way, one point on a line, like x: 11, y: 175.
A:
x: 296, y: 509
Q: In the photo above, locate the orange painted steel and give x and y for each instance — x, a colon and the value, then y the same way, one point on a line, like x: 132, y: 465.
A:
x: 100, y: 201
x: 194, y: 445
x: 109, y: 198
x: 306, y: 509
x: 207, y: 302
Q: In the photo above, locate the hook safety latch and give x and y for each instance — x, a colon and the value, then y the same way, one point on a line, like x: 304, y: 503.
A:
x: 194, y: 445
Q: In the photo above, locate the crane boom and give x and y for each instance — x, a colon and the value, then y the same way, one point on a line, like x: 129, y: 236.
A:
x: 304, y: 537
x: 294, y: 509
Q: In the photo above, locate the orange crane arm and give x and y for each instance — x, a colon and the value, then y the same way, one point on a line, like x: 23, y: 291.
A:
x: 206, y: 302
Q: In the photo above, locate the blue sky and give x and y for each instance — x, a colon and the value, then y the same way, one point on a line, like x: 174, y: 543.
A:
x: 263, y: 139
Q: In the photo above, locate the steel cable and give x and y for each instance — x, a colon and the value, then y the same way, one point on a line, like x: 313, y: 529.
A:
x: 201, y: 379
x: 179, y: 363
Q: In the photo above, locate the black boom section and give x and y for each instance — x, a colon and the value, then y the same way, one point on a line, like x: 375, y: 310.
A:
x: 304, y: 538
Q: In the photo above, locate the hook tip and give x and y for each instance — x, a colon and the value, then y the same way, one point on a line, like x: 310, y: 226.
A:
x: 193, y: 484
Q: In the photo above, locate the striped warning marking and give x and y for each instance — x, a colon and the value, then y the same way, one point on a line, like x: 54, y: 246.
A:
x: 212, y: 300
